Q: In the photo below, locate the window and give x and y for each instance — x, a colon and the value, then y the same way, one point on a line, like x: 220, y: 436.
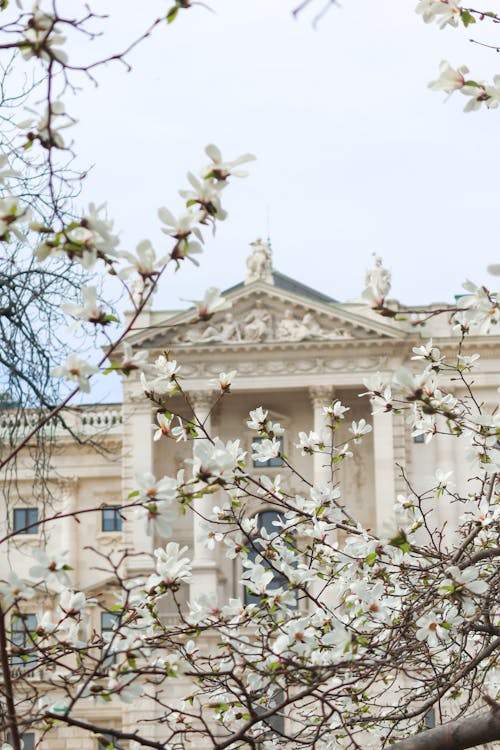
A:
x: 28, y: 740
x: 109, y: 623
x: 272, y: 462
x: 111, y: 519
x: 419, y: 438
x: 430, y: 719
x: 265, y: 520
x: 26, y: 520
x: 22, y: 628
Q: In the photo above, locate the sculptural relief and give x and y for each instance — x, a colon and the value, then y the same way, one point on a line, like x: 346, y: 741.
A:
x: 257, y: 325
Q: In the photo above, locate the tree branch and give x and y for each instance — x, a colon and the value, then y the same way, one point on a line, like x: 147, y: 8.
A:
x: 457, y: 735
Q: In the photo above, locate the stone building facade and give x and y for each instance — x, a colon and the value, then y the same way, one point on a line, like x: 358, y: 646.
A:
x: 294, y: 350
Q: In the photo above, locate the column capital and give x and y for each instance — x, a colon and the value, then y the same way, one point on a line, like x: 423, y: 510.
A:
x: 202, y: 400
x: 321, y: 395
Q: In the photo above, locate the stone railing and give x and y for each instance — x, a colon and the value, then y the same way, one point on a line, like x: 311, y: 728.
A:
x: 88, y: 421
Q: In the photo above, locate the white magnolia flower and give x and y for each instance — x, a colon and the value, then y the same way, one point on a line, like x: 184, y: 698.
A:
x: 145, y: 263
x: 12, y: 213
x: 336, y: 410
x: 220, y: 169
x: 48, y: 129
x: 207, y: 195
x: 444, y: 12
x: 5, y: 171
x: 258, y: 419
x: 51, y: 568
x: 309, y: 442
x: 449, y: 79
x: 170, y: 566
x: 428, y: 352
x: 224, y: 381
x: 215, y: 462
x: 212, y: 302
x: 136, y: 361
x: 159, y: 516
x: 265, y: 450
x: 163, y: 427
x: 150, y: 489
x: 14, y: 588
x: 41, y: 38
x: 181, y: 228
x: 358, y: 429
x: 90, y: 310
x: 477, y: 94
x: 164, y: 372
x: 76, y: 370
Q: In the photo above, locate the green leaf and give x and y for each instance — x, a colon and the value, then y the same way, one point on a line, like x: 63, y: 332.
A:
x: 467, y: 18
x: 172, y: 14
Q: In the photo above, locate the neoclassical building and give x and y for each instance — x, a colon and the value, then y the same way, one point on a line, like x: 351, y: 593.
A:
x: 294, y: 349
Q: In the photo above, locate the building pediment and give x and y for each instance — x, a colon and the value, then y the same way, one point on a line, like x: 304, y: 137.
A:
x: 262, y: 315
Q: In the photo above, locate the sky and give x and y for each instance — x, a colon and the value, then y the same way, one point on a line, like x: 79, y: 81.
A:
x: 354, y: 154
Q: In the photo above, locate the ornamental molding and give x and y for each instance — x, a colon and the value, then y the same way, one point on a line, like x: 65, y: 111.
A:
x: 270, y: 367
x: 263, y: 315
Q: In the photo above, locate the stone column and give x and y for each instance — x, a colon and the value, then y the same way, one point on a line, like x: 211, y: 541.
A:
x: 205, y: 577
x: 447, y: 512
x: 69, y: 527
x: 320, y: 396
x: 137, y: 459
x: 383, y: 466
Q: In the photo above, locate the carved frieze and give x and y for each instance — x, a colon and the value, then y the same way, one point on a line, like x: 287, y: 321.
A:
x: 315, y: 365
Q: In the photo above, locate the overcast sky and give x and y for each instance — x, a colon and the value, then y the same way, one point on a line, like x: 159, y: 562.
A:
x: 355, y: 154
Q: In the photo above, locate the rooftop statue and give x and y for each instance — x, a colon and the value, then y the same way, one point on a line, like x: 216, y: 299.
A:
x: 259, y: 263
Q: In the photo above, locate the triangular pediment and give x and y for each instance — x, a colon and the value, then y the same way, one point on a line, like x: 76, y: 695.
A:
x: 260, y: 315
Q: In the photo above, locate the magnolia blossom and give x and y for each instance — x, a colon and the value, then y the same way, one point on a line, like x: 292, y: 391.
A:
x: 180, y: 228
x: 150, y: 489
x: 41, y: 38
x: 207, y: 195
x: 336, y: 410
x: 12, y: 213
x: 14, y: 588
x: 449, y: 79
x: 51, y: 568
x: 444, y: 12
x: 224, y: 381
x: 164, y: 374
x: 159, y: 516
x: 220, y: 169
x: 266, y: 450
x: 136, y: 361
x: 76, y: 370
x: 215, y: 461
x: 359, y: 429
x: 145, y: 263
x: 48, y: 128
x: 90, y: 310
x: 170, y: 566
x: 310, y: 443
x: 428, y: 352
x: 258, y: 419
x: 163, y: 426
x: 211, y: 303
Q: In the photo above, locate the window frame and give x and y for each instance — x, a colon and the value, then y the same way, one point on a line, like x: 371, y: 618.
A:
x: 116, y: 519
x: 19, y: 527
x: 20, y: 636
